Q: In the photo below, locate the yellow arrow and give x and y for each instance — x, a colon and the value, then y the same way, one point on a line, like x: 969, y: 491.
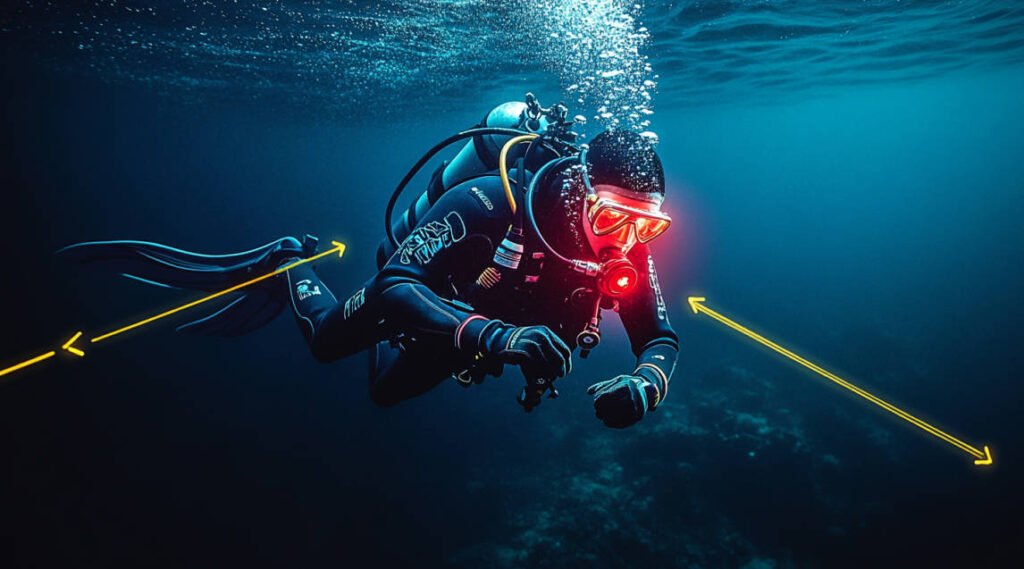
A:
x: 982, y: 457
x: 69, y: 347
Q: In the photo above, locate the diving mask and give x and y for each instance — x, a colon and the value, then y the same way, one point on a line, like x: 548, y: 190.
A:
x: 616, y: 218
x: 608, y: 216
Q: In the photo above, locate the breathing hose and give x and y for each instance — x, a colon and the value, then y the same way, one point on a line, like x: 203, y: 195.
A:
x: 528, y: 203
x: 503, y: 166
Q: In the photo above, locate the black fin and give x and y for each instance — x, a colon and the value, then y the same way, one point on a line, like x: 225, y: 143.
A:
x: 162, y: 265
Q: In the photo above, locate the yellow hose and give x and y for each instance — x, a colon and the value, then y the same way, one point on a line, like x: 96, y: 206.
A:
x: 503, y: 167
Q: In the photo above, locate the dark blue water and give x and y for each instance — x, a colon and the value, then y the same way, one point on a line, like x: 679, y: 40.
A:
x: 846, y: 178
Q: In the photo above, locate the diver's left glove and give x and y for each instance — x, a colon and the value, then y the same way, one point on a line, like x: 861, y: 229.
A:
x: 623, y: 400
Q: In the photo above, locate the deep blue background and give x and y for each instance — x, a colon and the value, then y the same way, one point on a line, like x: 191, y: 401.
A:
x: 876, y: 229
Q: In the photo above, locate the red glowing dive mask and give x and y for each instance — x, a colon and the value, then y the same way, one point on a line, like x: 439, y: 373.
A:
x: 608, y: 216
x: 615, y: 220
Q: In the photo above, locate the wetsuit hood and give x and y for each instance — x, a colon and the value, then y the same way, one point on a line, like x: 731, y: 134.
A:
x: 622, y: 162
x: 626, y: 160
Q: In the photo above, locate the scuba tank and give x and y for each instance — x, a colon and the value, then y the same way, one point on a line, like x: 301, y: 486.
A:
x: 479, y: 156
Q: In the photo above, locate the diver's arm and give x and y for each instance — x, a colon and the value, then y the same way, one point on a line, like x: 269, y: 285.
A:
x: 645, y: 319
x: 454, y: 241
x: 403, y: 298
x: 457, y: 237
x: 625, y: 399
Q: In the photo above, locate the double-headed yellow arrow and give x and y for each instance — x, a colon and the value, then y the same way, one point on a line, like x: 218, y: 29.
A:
x: 982, y: 457
x: 69, y: 346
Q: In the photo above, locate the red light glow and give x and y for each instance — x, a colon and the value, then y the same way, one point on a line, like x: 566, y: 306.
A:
x: 618, y: 280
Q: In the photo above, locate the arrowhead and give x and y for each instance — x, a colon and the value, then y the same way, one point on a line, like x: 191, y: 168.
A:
x: 695, y: 302
x: 70, y: 348
x: 985, y: 461
x: 340, y: 247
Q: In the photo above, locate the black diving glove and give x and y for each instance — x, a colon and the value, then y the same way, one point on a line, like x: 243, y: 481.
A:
x: 540, y: 354
x: 623, y: 400
x: 536, y: 349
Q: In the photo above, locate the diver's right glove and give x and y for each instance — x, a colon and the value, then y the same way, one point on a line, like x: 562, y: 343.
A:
x: 536, y: 349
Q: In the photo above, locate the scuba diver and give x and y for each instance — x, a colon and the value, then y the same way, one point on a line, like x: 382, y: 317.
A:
x: 507, y: 258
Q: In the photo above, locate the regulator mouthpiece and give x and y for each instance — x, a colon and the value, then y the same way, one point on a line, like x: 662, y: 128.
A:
x: 617, y: 276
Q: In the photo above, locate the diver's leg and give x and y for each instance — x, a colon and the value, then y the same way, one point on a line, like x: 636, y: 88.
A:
x: 333, y: 330
x: 336, y: 330
x: 397, y: 374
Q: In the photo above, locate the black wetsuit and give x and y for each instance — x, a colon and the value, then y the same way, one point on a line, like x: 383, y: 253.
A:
x: 419, y: 322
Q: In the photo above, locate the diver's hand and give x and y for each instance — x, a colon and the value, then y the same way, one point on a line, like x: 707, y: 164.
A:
x: 623, y: 400
x: 538, y: 350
